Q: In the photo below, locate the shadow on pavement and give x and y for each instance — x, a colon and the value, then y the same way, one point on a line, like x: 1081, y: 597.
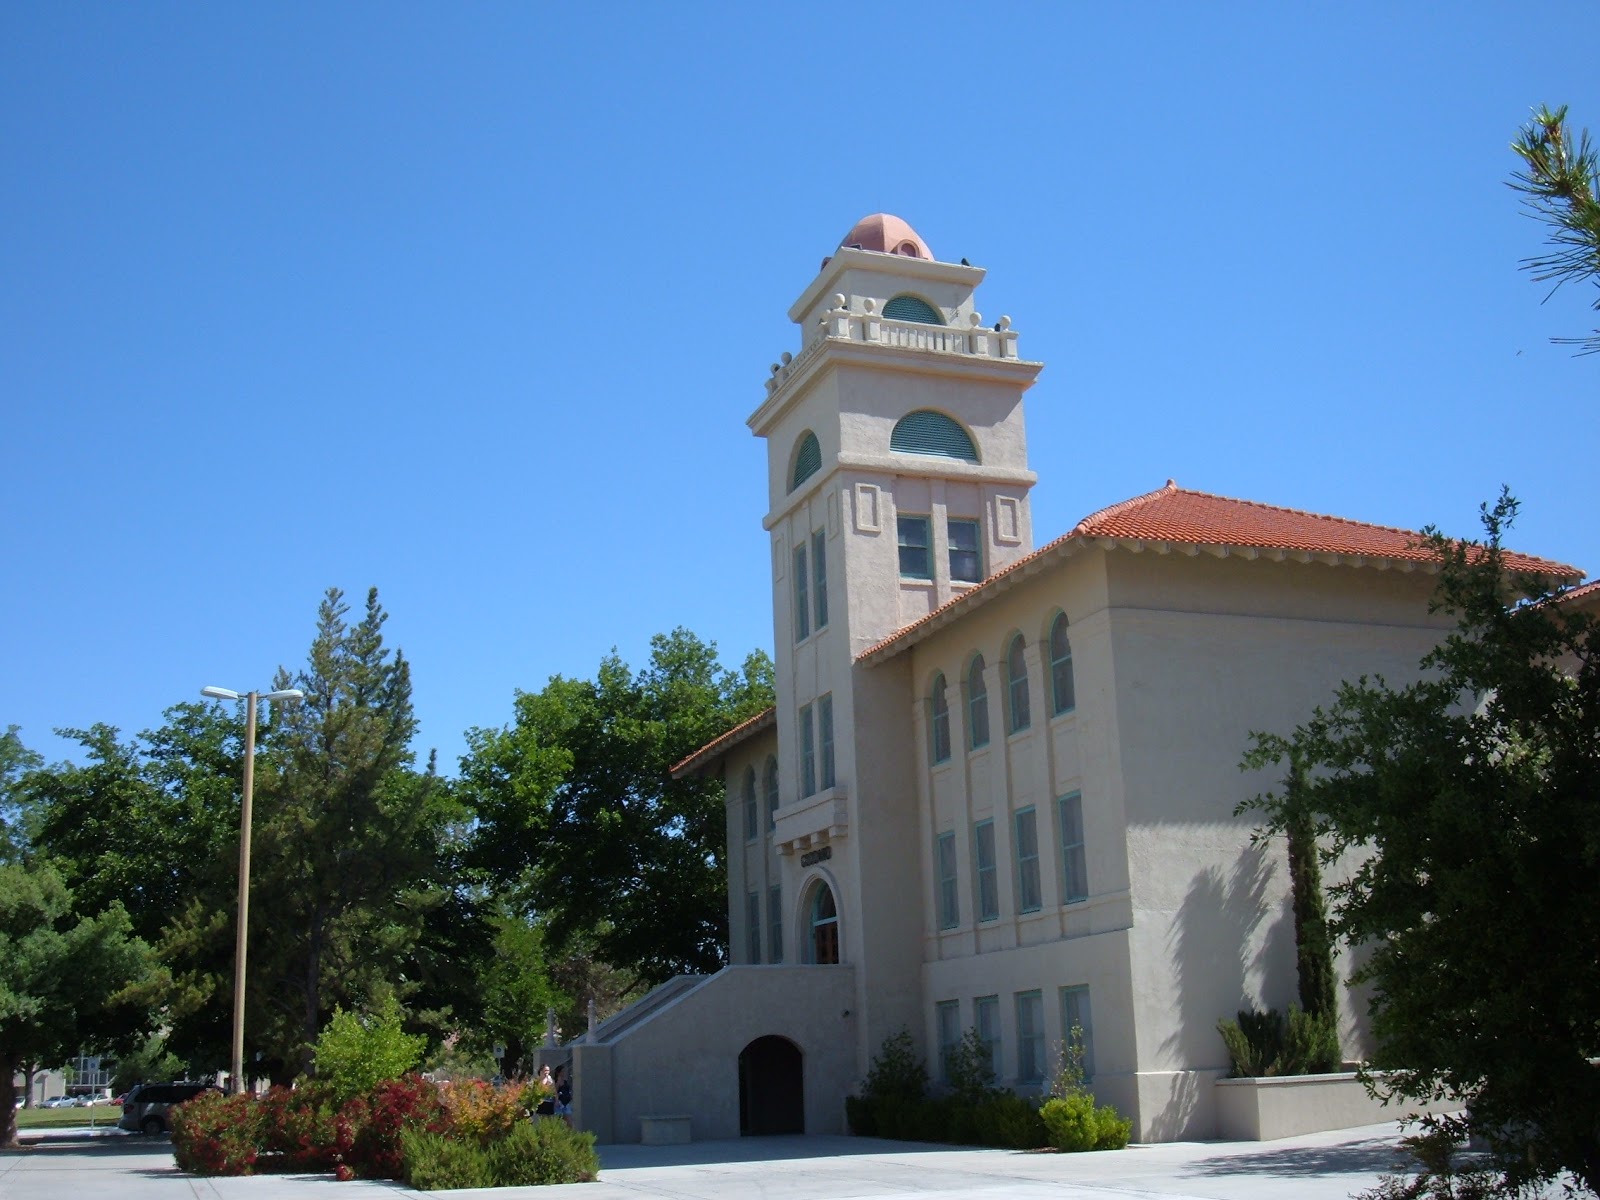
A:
x: 786, y: 1147
x: 1372, y: 1157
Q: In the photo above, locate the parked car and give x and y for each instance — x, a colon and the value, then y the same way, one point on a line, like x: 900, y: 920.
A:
x: 62, y: 1102
x: 147, y: 1107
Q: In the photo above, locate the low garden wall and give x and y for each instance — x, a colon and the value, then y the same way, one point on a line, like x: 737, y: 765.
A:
x: 1261, y: 1110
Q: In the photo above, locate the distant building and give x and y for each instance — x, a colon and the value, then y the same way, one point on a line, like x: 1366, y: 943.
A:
x: 997, y: 790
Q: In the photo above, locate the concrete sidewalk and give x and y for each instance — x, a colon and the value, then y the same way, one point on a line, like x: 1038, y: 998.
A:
x: 1328, y: 1166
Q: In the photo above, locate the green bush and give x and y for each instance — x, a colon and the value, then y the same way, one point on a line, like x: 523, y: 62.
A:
x: 435, y: 1162
x: 859, y: 1113
x: 896, y: 1071
x: 540, y: 1152
x: 1006, y: 1119
x: 1069, y: 1122
x: 357, y: 1052
x: 1263, y: 1044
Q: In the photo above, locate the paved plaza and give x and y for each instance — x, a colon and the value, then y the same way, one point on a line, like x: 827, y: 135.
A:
x: 1326, y: 1166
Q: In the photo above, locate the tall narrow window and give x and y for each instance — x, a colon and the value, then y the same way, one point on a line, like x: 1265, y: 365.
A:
x: 966, y: 557
x: 808, y: 753
x: 944, y: 848
x: 824, y: 926
x: 986, y: 1018
x: 751, y: 826
x: 1017, y: 713
x: 988, y: 871
x: 825, y: 737
x: 752, y: 918
x: 772, y: 792
x: 977, y: 705
x: 819, y: 577
x: 1076, y: 1026
x: 939, y: 720
x: 1063, y: 693
x: 802, y: 605
x: 948, y: 1013
x: 775, y: 924
x: 1074, y: 869
x: 1028, y: 899
x: 916, y: 561
x: 1030, y: 1037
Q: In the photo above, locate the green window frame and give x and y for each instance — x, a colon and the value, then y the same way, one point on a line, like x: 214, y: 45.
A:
x: 939, y: 720
x: 977, y: 705
x: 933, y: 434
x: 1029, y: 897
x: 906, y: 307
x: 1063, y: 690
x: 988, y: 871
x: 947, y: 1019
x: 825, y: 738
x: 966, y: 550
x: 949, y: 899
x: 1074, y: 863
x: 807, y: 460
x: 1030, y: 1037
x: 916, y: 553
x: 751, y: 825
x: 802, y: 604
x: 819, y: 579
x: 1018, y: 716
x: 771, y: 781
x: 808, y: 753
x: 986, y: 1020
x: 775, y: 924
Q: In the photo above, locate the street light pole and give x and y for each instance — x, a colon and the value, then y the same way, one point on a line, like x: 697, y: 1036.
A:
x: 242, y: 932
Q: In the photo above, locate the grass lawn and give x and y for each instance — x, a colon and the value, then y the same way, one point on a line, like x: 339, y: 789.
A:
x: 66, y: 1118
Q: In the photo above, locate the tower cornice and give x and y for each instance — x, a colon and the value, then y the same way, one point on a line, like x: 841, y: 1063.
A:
x: 847, y: 258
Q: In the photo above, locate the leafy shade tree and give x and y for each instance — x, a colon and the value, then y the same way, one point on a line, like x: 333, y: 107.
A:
x: 357, y: 1051
x: 16, y: 760
x: 67, y: 982
x: 1560, y: 183
x: 580, y: 822
x: 1473, y: 800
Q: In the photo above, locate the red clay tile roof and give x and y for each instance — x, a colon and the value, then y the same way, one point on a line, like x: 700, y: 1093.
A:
x: 1175, y: 516
x: 717, y: 747
x: 1587, y: 593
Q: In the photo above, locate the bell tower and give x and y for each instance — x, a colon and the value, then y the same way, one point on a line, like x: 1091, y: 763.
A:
x: 898, y: 479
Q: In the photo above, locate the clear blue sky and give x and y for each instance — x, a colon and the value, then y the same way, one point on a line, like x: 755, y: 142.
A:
x: 470, y: 302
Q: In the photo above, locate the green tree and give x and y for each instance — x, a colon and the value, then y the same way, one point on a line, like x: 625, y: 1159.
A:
x: 1560, y: 183
x: 360, y: 1050
x: 580, y: 822
x: 1472, y: 799
x: 66, y: 980
x: 16, y: 760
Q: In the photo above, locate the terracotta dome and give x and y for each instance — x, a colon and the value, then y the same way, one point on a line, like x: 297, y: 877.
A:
x: 887, y: 234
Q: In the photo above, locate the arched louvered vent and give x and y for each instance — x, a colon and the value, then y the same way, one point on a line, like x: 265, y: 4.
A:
x: 929, y: 432
x: 807, y: 461
x: 912, y: 308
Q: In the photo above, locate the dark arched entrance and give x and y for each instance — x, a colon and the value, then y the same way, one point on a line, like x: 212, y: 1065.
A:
x: 771, y: 1095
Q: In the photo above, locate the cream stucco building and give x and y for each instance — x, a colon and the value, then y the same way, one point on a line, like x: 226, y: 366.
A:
x: 997, y: 788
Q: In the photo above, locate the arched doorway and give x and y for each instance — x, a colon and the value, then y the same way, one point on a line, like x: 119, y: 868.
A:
x: 771, y: 1092
x: 822, y: 944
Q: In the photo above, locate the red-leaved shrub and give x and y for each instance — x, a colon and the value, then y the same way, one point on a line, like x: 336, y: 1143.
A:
x: 215, y: 1134
x: 368, y: 1127
x: 295, y: 1129
x: 479, y: 1111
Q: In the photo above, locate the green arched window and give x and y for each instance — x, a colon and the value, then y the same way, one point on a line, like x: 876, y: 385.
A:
x: 807, y: 461
x: 912, y: 308
x: 933, y: 433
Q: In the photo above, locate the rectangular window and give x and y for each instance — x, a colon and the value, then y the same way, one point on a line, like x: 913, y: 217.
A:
x: 988, y: 871
x: 966, y: 556
x: 825, y: 737
x: 753, y: 927
x: 949, y: 1017
x: 802, y: 605
x: 751, y: 822
x: 1028, y: 898
x: 772, y: 794
x: 819, y: 580
x: 916, y: 562
x: 1030, y: 1037
x: 986, y: 1018
x: 945, y: 860
x: 808, y: 753
x: 1074, y: 869
x: 775, y: 925
x: 1075, y: 1016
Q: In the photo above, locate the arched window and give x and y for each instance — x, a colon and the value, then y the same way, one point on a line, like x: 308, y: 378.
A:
x: 939, y: 718
x: 807, y: 460
x: 932, y: 433
x: 1063, y: 694
x: 912, y: 308
x: 772, y: 791
x: 1017, y: 714
x: 751, y: 828
x: 977, y: 705
x: 824, y: 940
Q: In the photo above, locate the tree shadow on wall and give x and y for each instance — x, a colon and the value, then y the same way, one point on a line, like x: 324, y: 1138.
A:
x: 1207, y: 945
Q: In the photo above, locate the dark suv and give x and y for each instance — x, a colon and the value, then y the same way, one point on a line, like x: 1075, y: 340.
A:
x: 146, y: 1108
